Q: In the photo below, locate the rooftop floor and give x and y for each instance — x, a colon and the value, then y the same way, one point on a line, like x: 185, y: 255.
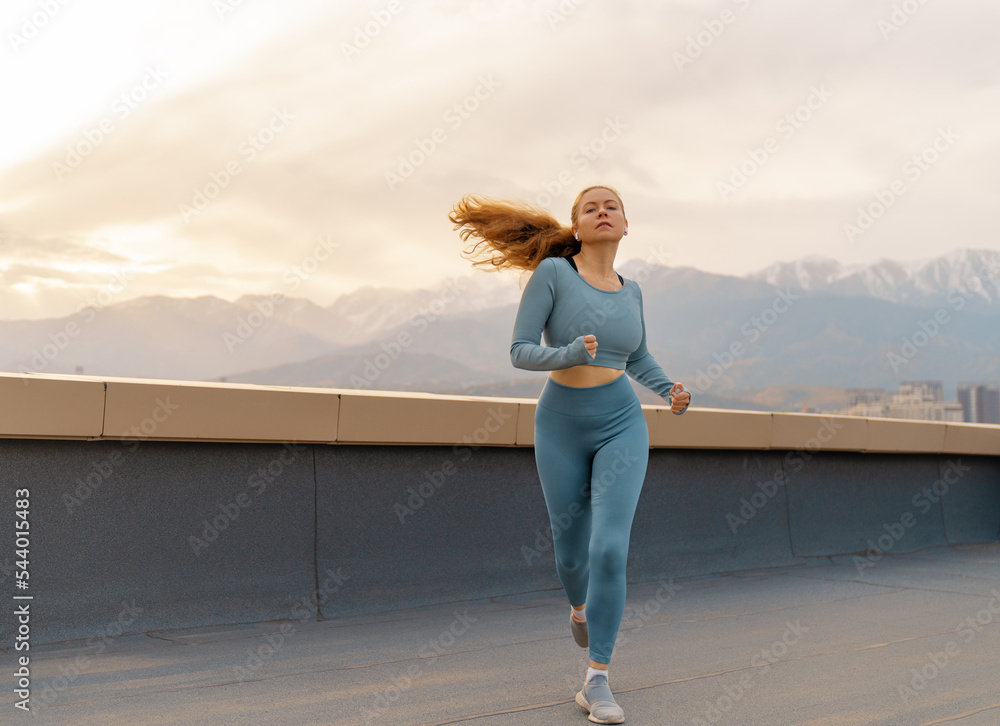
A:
x: 910, y: 639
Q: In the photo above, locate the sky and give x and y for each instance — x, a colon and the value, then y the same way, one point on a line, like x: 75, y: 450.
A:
x: 228, y: 147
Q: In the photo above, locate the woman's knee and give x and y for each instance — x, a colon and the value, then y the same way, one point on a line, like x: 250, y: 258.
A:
x: 609, y: 554
x: 571, y: 544
x: 571, y: 562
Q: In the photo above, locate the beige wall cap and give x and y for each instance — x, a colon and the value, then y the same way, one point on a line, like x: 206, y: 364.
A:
x: 93, y: 407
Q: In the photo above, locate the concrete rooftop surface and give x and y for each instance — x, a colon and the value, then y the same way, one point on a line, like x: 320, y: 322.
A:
x: 892, y: 639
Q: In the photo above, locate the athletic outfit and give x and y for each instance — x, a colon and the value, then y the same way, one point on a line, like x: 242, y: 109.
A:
x: 591, y: 443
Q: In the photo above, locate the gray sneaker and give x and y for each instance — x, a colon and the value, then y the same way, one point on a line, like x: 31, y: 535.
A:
x: 597, y: 699
x: 579, y: 631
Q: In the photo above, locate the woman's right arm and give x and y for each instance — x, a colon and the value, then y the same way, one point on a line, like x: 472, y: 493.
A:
x: 536, y: 304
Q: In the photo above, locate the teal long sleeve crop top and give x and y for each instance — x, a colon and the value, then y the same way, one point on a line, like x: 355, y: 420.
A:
x: 559, y: 304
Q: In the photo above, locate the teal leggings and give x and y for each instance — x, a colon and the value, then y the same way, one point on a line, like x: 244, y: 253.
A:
x: 591, y: 451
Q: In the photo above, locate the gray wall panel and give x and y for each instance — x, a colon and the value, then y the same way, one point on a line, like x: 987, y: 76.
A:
x: 404, y: 540
x: 970, y: 487
x: 709, y: 511
x: 842, y: 503
x: 126, y: 543
x: 378, y: 528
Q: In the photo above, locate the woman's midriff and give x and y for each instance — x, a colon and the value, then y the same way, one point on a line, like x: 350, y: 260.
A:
x: 585, y: 376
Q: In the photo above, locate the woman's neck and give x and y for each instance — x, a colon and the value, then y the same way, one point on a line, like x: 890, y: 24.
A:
x: 600, y: 264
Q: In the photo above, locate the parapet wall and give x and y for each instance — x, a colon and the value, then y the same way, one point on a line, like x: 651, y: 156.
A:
x: 166, y: 504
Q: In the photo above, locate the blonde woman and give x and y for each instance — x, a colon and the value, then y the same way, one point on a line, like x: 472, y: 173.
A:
x: 591, y: 439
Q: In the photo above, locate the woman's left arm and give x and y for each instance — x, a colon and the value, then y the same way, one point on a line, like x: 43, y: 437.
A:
x: 642, y: 366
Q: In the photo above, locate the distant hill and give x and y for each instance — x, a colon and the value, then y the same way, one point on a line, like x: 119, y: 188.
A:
x: 802, y: 330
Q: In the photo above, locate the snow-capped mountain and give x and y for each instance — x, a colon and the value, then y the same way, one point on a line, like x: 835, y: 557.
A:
x: 923, y: 283
x: 838, y: 328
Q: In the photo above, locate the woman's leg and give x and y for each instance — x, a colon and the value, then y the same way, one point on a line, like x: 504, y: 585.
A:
x: 563, y: 463
x: 619, y: 470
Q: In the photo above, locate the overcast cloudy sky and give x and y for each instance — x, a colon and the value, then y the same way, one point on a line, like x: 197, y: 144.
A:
x: 198, y: 147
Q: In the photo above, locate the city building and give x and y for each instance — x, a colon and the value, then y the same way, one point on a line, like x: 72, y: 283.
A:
x: 980, y: 402
x: 915, y: 400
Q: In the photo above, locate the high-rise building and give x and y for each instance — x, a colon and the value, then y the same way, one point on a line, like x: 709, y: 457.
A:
x: 991, y: 405
x: 970, y: 402
x: 980, y: 402
x: 930, y: 390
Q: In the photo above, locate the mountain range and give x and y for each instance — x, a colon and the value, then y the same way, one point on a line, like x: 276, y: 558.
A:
x: 791, y: 335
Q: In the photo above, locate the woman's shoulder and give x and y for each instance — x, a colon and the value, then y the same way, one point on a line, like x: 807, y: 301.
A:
x: 547, y: 267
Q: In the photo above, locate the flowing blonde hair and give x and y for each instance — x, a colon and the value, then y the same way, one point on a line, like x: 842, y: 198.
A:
x: 515, y: 234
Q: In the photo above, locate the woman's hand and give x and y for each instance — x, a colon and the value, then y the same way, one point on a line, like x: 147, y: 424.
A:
x: 679, y: 398
x: 591, y: 342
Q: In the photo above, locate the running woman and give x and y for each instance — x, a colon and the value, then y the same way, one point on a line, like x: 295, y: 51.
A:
x: 591, y: 438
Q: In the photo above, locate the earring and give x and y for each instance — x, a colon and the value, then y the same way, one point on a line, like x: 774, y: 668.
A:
x: 626, y: 230
x: 577, y: 235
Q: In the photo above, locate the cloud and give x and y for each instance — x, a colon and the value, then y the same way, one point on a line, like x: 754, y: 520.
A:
x: 50, y: 250
x: 411, y: 92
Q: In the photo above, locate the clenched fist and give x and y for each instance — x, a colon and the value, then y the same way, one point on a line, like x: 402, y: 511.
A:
x: 679, y: 398
x: 591, y: 342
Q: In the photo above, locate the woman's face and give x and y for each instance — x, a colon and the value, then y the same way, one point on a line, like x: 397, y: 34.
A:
x: 600, y: 217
